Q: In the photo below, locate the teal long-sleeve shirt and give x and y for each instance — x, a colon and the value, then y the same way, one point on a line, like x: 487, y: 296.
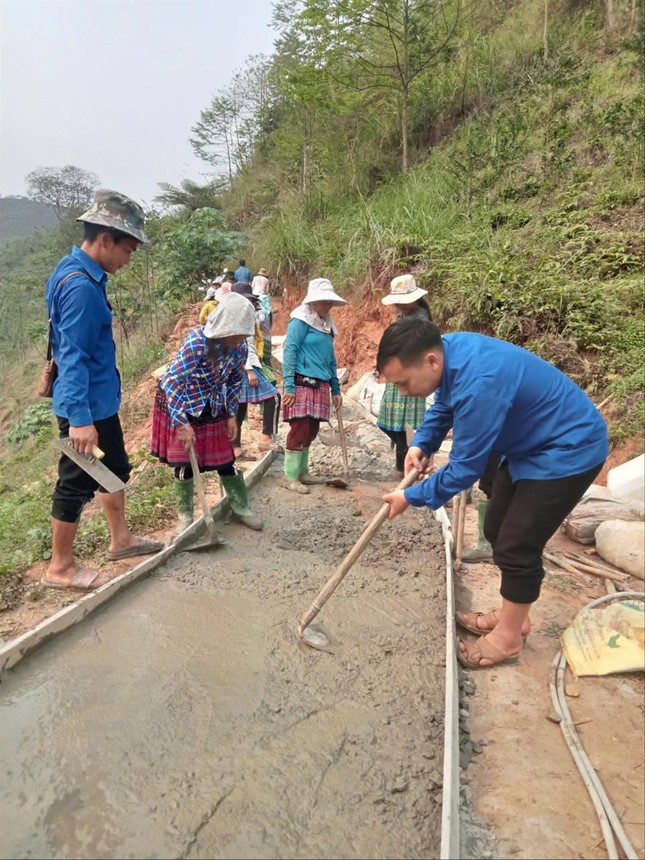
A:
x: 502, y: 399
x: 311, y: 353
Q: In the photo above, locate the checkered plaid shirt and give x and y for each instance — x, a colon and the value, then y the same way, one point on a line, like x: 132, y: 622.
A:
x: 191, y: 380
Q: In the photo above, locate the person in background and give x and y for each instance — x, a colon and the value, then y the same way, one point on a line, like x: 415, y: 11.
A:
x: 196, y: 404
x: 256, y: 388
x: 396, y: 409
x: 87, y: 391
x: 310, y: 379
x: 498, y: 399
x: 260, y: 283
x: 209, y: 305
x: 483, y: 551
x: 243, y: 274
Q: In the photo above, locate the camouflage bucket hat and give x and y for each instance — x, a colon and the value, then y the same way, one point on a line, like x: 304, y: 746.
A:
x: 111, y: 209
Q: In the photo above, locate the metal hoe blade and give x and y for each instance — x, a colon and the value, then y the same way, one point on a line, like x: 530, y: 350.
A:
x: 316, y: 638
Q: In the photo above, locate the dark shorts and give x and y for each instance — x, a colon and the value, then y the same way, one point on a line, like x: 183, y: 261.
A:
x: 75, y: 488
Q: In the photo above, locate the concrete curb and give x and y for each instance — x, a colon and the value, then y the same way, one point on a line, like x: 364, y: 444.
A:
x: 13, y: 652
x: 450, y: 847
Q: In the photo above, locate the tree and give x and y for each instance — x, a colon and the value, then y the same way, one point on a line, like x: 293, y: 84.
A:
x: 382, y: 45
x: 194, y: 250
x: 190, y: 195
x: 68, y: 189
x: 227, y: 130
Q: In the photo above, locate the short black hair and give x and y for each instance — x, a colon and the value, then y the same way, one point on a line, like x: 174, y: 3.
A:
x: 407, y: 340
x: 91, y: 232
x: 242, y: 262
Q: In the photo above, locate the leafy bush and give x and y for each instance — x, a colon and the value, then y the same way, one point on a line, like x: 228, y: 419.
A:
x: 37, y: 420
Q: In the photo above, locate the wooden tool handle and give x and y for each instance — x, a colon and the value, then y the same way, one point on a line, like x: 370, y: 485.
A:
x: 343, y: 440
x: 198, y: 481
x: 334, y: 581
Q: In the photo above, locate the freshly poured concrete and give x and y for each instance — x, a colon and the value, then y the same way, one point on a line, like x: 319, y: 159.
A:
x: 185, y: 720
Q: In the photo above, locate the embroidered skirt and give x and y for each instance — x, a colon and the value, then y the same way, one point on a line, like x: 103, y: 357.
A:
x: 310, y: 403
x: 213, y: 447
x: 262, y: 391
x: 396, y: 410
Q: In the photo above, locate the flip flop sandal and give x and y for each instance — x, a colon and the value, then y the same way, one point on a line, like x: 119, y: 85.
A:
x: 144, y: 547
x: 461, y: 619
x: 483, y: 650
x: 83, y: 580
x: 244, y: 455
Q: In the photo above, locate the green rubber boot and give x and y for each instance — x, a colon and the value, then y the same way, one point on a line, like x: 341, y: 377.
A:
x: 483, y: 551
x: 184, y: 496
x: 238, y: 496
x: 292, y: 473
x: 305, y: 477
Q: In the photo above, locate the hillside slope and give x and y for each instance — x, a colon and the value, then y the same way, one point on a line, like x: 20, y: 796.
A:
x: 524, y: 220
x: 20, y: 217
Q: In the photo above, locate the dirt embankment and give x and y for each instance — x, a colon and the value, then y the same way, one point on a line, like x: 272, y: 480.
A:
x: 360, y: 325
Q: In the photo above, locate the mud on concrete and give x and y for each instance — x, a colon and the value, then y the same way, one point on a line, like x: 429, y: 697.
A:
x: 185, y: 720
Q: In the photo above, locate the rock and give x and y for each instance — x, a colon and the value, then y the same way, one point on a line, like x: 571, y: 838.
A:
x: 400, y: 784
x: 553, y: 717
x: 572, y: 690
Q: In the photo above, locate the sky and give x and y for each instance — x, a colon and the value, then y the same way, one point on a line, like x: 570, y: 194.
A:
x: 114, y: 86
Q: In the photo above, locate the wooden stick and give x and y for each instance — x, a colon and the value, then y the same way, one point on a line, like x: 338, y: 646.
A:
x: 343, y: 442
x: 203, y: 501
x: 605, y: 401
x: 575, y: 567
x: 334, y: 581
x: 463, y: 507
x: 601, y: 567
x: 456, y: 507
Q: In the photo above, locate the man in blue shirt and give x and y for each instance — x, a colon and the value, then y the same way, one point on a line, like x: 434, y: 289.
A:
x: 498, y: 399
x: 87, y: 390
x: 243, y: 274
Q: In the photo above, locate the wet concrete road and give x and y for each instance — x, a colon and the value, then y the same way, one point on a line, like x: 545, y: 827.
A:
x: 184, y: 720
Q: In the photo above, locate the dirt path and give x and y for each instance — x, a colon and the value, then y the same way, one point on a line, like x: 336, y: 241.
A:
x: 184, y: 720
x: 523, y: 785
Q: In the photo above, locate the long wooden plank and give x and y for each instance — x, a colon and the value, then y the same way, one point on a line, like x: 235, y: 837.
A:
x: 450, y: 841
x: 15, y: 650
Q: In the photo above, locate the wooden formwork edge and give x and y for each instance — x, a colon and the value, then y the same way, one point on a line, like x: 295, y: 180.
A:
x: 14, y: 651
x: 450, y: 843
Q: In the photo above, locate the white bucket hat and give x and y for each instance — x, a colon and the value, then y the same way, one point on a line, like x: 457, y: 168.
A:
x: 321, y: 290
x: 233, y: 316
x: 403, y: 291
x: 210, y: 293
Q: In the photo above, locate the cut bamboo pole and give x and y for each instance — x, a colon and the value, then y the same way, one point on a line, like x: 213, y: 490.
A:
x: 463, y: 507
x: 601, y: 567
x: 575, y: 567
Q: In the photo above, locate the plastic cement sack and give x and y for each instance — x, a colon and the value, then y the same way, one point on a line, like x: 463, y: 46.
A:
x: 368, y: 391
x: 623, y: 545
x: 605, y: 641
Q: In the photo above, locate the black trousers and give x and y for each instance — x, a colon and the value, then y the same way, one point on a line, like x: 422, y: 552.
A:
x: 521, y: 518
x: 270, y: 417
x: 74, y: 488
x: 399, y: 440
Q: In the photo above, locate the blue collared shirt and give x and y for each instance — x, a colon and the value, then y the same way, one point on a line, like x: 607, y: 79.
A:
x: 502, y: 399
x: 88, y: 387
x: 243, y: 275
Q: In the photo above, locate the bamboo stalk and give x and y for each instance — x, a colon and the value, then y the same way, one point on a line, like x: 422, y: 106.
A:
x: 601, y: 567
x: 463, y: 507
x: 576, y: 567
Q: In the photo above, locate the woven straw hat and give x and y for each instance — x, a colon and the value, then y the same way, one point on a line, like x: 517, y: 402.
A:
x: 403, y: 291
